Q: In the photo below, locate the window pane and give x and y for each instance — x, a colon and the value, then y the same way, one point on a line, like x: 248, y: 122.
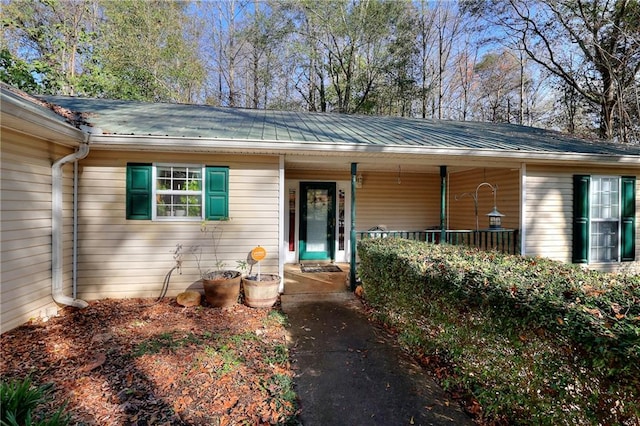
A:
x: 604, y: 241
x: 179, y: 191
x: 605, y: 196
x: 605, y: 213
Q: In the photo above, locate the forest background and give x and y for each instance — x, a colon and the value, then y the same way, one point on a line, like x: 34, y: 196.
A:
x: 570, y: 65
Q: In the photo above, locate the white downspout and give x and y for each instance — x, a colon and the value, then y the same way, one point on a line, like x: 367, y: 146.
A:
x: 56, y: 227
x: 282, y: 189
x: 74, y: 276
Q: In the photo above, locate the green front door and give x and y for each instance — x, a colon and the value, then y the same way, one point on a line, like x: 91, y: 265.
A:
x: 317, y: 220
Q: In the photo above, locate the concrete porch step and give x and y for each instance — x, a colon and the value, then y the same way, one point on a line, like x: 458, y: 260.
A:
x: 298, y: 282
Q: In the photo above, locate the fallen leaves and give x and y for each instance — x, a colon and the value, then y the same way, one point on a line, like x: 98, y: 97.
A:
x: 138, y: 362
x: 96, y: 362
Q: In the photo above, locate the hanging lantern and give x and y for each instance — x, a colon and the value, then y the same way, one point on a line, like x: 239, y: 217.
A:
x: 495, y: 219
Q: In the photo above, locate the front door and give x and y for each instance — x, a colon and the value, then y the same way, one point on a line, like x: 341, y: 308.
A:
x: 317, y: 220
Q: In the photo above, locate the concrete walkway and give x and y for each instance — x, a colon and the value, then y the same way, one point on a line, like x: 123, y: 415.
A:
x: 350, y: 372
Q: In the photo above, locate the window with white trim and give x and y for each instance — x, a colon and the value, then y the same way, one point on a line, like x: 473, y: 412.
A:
x: 166, y: 192
x: 605, y: 219
x: 178, y: 191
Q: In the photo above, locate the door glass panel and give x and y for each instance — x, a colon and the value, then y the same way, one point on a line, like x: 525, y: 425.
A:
x: 318, y: 201
x: 341, y: 200
x: 317, y: 220
x: 292, y: 219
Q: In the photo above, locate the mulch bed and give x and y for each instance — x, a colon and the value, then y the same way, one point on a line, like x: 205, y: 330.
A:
x: 136, y: 362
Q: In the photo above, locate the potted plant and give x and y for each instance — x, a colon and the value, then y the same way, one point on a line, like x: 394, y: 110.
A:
x: 221, y: 286
x: 260, y: 290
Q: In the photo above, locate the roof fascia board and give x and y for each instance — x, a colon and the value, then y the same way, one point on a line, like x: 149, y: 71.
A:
x: 32, y: 120
x: 177, y: 144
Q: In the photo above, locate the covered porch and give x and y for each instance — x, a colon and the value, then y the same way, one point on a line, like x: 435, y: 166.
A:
x: 411, y: 200
x: 398, y: 197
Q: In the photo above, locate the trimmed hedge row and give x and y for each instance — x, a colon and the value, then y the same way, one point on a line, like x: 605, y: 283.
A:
x: 596, y: 314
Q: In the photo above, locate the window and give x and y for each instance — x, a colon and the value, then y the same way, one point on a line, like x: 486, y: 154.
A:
x: 177, y: 192
x: 604, y: 219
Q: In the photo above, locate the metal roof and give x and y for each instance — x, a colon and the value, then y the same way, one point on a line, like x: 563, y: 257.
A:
x: 116, y: 117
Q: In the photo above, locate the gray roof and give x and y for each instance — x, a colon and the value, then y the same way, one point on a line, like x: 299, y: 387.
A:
x: 115, y: 117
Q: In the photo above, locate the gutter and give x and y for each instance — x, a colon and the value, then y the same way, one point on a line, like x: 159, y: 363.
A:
x: 56, y: 226
x: 327, y: 149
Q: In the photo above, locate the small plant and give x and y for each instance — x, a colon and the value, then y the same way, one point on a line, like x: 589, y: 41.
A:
x: 275, y: 317
x: 164, y: 341
x: 19, y: 399
x: 224, y: 358
x: 279, y: 388
x: 277, y: 355
x: 242, y: 265
x: 215, y: 232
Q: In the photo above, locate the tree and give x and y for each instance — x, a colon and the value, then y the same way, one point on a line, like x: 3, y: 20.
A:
x: 264, y: 34
x: 498, y: 77
x: 348, y: 42
x: 17, y: 73
x: 149, y: 52
x: 51, y: 40
x: 462, y: 84
x: 593, y: 46
x: 225, y: 49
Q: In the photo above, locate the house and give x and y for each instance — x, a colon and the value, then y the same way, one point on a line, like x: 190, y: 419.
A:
x: 97, y: 194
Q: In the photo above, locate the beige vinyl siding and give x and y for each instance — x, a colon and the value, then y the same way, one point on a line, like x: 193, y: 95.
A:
x: 549, y: 216
x: 26, y: 228
x: 411, y: 205
x: 548, y: 219
x: 318, y: 175
x: 130, y: 258
x: 461, y: 207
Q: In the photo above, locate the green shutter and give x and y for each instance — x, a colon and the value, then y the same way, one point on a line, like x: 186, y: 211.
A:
x: 628, y: 218
x: 217, y: 193
x: 581, y: 218
x: 139, y: 191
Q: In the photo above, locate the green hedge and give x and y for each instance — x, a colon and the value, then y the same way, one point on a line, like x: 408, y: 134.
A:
x: 572, y: 332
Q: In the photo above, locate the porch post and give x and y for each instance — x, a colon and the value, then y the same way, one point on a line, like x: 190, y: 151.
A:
x: 352, y: 264
x: 443, y: 203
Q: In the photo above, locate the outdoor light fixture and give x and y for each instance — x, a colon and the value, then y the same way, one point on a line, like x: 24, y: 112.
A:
x: 359, y: 181
x: 495, y: 217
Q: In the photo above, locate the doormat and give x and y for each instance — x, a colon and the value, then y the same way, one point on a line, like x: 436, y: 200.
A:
x: 319, y: 268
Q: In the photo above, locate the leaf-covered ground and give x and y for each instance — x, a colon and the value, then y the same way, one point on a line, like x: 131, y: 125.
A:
x: 136, y: 362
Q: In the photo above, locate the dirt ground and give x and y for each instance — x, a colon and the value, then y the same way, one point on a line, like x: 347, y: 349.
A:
x: 138, y: 362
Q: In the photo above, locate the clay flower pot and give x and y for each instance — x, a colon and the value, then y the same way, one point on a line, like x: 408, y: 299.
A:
x: 263, y: 293
x: 222, y: 288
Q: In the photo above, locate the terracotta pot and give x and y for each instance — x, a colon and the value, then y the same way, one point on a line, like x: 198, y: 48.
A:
x: 222, y: 291
x: 263, y: 293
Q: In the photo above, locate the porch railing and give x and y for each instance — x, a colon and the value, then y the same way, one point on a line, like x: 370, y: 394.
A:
x: 504, y: 240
